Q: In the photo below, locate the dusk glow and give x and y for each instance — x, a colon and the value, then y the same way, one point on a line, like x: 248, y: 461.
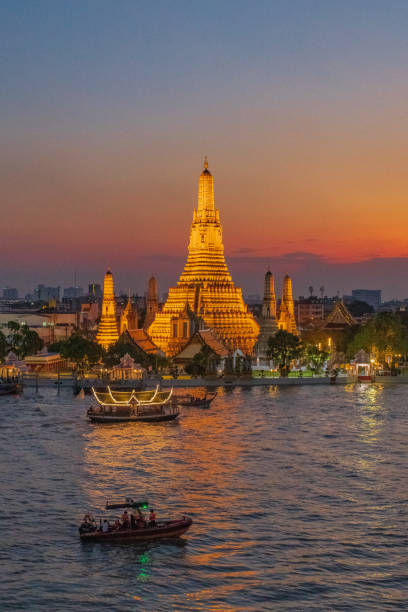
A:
x: 107, y: 115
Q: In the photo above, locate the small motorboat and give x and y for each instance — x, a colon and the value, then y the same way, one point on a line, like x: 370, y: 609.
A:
x: 122, y: 406
x: 142, y: 530
x: 199, y: 402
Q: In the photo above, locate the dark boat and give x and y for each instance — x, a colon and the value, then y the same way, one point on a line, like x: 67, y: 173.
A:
x: 124, y: 406
x: 200, y: 402
x: 9, y: 388
x: 161, y: 529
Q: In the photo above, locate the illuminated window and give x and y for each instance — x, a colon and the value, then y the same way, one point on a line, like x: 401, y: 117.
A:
x: 174, y: 330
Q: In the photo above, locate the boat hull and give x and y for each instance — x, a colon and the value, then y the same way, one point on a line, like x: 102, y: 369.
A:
x: 9, y: 388
x: 112, y: 418
x: 170, y: 529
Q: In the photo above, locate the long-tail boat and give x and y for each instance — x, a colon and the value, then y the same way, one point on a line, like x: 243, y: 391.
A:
x: 195, y: 401
x: 147, y: 406
x: 141, y: 530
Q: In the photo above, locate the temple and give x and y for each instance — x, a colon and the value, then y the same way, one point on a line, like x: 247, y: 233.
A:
x: 268, y: 321
x: 128, y: 318
x: 152, y: 302
x: 287, y: 319
x: 205, y: 296
x: 108, y: 328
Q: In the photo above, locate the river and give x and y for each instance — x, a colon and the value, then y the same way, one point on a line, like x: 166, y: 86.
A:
x: 298, y: 495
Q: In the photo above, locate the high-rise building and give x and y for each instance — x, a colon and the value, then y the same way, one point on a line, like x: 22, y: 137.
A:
x: 205, y: 294
x: 45, y: 294
x: 9, y: 293
x: 108, y: 327
x: 73, y: 292
x: 369, y: 296
x: 94, y: 290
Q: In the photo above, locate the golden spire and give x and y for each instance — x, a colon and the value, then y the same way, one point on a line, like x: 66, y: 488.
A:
x: 205, y: 190
x: 269, y: 300
x: 108, y: 329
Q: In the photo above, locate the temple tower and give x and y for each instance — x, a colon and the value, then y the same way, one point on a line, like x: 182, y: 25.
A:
x: 269, y: 299
x: 108, y: 329
x: 152, y: 302
x: 205, y: 295
x: 287, y: 319
x: 268, y: 322
x: 128, y: 318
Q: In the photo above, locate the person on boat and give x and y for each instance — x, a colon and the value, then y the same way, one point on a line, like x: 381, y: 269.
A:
x: 117, y: 525
x: 132, y: 521
x: 105, y: 526
x: 152, y: 518
x: 125, y: 519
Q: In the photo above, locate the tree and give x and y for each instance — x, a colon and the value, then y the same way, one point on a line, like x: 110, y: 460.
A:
x: 314, y: 358
x: 22, y: 340
x: 283, y: 348
x: 80, y: 350
x: 204, y: 362
x: 384, y: 332
x: 3, y: 346
x: 359, y: 308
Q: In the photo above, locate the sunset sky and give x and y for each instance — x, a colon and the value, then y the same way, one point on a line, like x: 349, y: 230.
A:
x: 108, y: 108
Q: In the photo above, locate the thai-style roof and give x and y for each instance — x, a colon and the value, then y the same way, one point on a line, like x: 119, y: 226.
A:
x: 141, y: 338
x: 339, y: 317
x: 203, y: 337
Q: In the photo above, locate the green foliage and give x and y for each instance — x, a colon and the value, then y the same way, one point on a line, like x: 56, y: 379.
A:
x: 314, y: 358
x: 3, y: 346
x: 385, y: 332
x: 115, y: 353
x: 22, y: 340
x: 283, y: 348
x: 80, y: 350
x: 204, y: 362
x: 358, y: 308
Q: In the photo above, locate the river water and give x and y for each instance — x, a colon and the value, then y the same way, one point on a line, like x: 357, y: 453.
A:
x: 299, y: 499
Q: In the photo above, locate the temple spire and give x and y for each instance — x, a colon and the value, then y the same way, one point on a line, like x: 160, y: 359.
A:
x: 108, y: 328
x: 269, y: 300
x: 205, y: 190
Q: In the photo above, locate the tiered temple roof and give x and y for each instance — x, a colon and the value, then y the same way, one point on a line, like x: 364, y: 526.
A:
x: 205, y: 290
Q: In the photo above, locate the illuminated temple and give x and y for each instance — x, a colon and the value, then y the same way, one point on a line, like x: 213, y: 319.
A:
x: 108, y: 328
x: 205, y: 296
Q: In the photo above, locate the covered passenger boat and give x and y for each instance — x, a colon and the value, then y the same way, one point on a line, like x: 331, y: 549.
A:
x: 147, y: 406
x: 133, y: 530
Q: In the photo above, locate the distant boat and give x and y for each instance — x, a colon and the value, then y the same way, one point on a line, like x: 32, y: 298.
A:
x: 9, y: 388
x: 198, y: 402
x: 133, y: 406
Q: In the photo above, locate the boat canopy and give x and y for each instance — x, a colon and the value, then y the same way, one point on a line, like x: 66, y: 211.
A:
x: 125, y: 398
x: 128, y: 503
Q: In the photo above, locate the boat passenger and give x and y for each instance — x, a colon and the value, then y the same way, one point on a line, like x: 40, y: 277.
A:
x: 132, y: 521
x: 117, y: 525
x: 105, y: 526
x: 152, y: 518
x: 125, y: 519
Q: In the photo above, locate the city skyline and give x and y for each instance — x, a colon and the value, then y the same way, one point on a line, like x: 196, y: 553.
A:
x: 306, y: 141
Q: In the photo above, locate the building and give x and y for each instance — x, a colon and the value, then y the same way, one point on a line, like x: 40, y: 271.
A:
x: 286, y: 318
x: 268, y: 320
x: 369, y: 296
x: 217, y: 353
x: 108, y: 327
x: 205, y: 295
x: 73, y: 292
x: 128, y: 318
x: 94, y: 291
x: 9, y: 293
x: 47, y: 294
x: 152, y: 302
x: 313, y: 309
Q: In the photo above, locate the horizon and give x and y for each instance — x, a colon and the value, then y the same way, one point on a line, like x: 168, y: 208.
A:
x: 105, y: 129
